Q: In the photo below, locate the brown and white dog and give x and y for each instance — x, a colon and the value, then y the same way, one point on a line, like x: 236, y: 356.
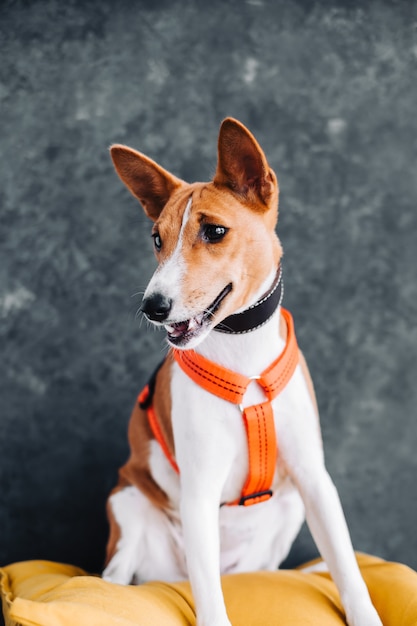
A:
x: 218, y: 257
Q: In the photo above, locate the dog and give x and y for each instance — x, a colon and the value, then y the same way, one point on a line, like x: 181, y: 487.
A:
x: 226, y: 456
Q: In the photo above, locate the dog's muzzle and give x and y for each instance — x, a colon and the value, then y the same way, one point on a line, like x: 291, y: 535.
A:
x: 157, y: 309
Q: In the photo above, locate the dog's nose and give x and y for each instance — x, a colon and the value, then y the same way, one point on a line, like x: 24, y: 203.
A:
x: 156, y: 307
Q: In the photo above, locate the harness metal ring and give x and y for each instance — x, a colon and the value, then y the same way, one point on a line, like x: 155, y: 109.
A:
x: 250, y: 378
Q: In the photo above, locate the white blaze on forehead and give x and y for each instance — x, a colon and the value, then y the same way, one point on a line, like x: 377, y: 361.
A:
x: 185, y: 219
x: 167, y: 277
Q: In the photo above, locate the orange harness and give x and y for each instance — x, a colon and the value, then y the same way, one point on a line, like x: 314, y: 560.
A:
x: 258, y: 419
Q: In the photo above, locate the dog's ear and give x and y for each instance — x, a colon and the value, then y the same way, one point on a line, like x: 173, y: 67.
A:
x: 145, y: 179
x: 242, y: 165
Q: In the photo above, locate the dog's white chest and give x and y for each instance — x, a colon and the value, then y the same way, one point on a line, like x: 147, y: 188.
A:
x: 251, y: 537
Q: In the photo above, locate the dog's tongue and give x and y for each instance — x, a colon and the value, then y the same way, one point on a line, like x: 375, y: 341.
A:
x: 176, y: 330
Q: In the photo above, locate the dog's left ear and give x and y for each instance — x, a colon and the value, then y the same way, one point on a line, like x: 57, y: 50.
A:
x: 242, y: 165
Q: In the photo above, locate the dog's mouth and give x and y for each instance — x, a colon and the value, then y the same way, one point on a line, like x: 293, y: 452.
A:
x: 180, y: 333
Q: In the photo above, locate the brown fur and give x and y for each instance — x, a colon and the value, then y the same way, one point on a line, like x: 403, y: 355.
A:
x: 162, y: 402
x: 136, y: 470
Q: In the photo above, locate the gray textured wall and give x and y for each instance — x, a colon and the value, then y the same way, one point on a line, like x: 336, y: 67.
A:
x: 330, y: 91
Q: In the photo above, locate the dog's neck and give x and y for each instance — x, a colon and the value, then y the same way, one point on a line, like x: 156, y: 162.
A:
x: 250, y: 352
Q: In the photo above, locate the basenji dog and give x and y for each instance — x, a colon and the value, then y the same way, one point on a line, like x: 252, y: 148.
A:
x: 226, y: 456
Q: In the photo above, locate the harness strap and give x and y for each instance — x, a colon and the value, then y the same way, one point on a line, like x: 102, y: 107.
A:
x: 258, y: 419
x: 214, y: 378
x: 262, y: 451
x: 232, y: 386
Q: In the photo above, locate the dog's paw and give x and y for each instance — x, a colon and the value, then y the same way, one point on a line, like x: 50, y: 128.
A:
x: 213, y: 620
x: 116, y: 578
x: 364, y: 615
x: 116, y: 574
x: 214, y: 623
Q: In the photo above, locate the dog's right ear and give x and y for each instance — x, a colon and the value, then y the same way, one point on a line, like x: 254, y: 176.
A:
x: 150, y: 183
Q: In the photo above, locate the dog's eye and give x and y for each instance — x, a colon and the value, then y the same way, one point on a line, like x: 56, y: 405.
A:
x: 212, y: 233
x: 157, y: 241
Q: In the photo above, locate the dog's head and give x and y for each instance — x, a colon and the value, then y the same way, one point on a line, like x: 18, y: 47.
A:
x: 215, y: 242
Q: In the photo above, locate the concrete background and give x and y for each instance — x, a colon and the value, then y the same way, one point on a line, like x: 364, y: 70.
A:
x: 330, y: 91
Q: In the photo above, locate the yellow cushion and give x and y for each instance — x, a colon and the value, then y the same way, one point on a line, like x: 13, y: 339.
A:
x: 53, y: 594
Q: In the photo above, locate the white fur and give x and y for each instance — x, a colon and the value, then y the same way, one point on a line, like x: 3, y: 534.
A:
x: 151, y: 545
x: 211, y: 452
x: 168, y: 276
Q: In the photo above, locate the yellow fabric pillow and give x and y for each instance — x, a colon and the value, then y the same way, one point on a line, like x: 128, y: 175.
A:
x: 41, y: 593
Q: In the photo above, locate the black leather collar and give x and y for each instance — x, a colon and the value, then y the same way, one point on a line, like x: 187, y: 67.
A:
x: 257, y: 314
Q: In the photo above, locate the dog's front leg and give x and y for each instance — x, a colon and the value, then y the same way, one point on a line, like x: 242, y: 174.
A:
x: 301, y: 449
x: 327, y: 523
x: 204, y: 452
x: 200, y: 519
